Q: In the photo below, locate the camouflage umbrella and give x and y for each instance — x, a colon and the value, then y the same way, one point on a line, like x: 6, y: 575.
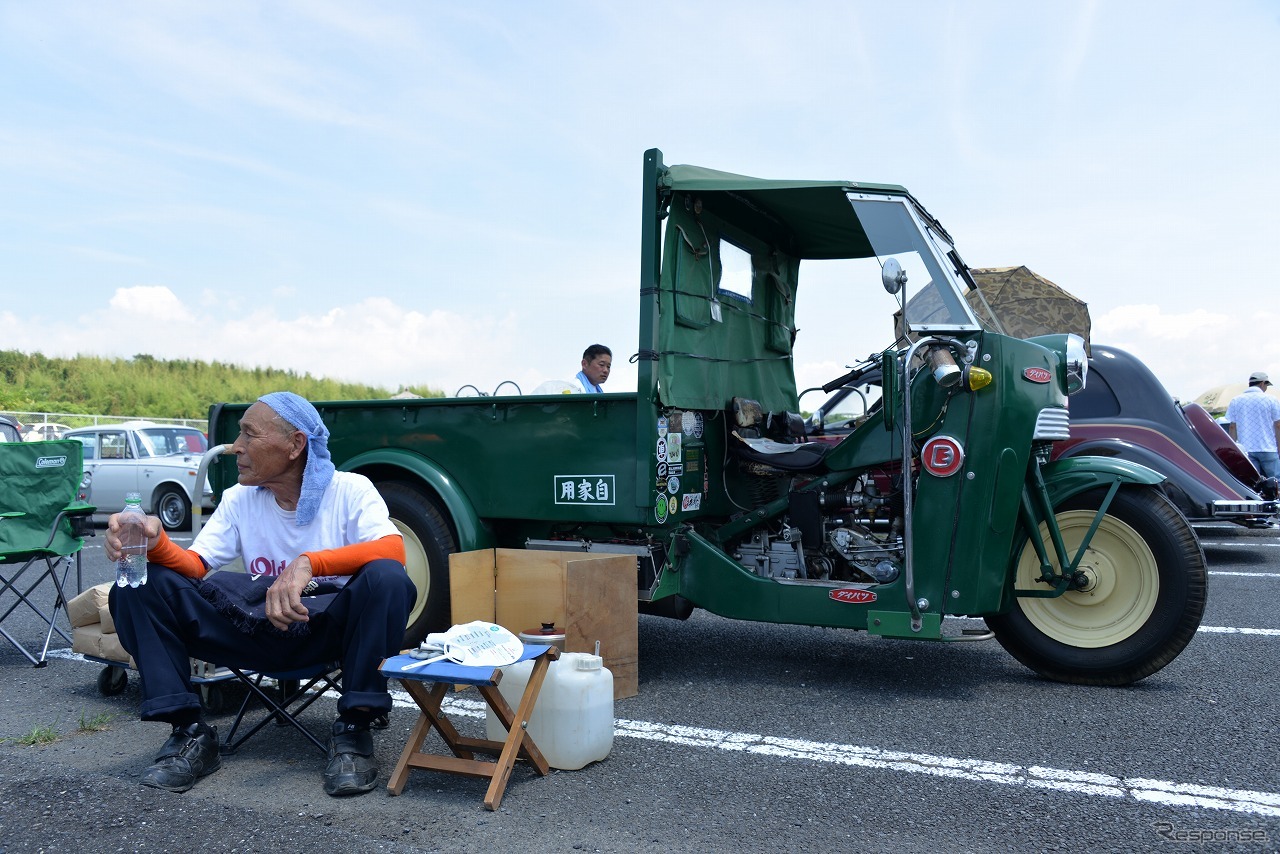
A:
x: 1027, y: 304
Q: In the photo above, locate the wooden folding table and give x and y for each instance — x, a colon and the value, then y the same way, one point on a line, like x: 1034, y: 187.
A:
x: 440, y: 676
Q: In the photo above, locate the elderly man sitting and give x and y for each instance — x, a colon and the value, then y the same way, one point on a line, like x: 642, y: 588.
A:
x: 290, y: 517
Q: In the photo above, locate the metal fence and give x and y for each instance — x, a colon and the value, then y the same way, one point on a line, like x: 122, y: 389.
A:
x: 79, y: 419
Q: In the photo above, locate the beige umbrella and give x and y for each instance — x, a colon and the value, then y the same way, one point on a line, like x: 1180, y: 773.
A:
x: 1215, y: 400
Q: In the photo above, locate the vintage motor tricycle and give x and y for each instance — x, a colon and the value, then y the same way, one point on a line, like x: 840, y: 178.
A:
x: 941, y: 501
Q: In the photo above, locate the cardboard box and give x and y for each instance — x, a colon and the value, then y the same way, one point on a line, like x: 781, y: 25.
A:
x: 92, y: 640
x: 592, y: 597
x: 88, y: 608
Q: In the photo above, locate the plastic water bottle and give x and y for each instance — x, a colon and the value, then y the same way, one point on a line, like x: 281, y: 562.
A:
x: 131, y: 569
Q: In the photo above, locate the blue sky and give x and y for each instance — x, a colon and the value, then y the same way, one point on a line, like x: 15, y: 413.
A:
x: 444, y: 194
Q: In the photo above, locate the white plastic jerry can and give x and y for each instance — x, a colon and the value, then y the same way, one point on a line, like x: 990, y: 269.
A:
x: 572, y: 722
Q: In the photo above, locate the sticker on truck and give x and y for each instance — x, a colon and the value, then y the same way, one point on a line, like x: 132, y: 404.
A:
x: 584, y: 489
x: 691, y: 424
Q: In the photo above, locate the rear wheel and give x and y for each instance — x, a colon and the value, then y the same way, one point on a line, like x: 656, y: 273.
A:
x: 112, y: 680
x: 428, y: 542
x: 173, y: 508
x: 1142, y: 604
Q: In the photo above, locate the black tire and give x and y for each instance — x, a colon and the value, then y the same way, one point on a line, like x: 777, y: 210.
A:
x: 428, y: 542
x: 173, y: 507
x: 1142, y: 609
x: 112, y: 680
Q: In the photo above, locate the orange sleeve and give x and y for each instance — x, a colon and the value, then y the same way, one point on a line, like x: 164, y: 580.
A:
x: 180, y: 560
x: 347, y: 559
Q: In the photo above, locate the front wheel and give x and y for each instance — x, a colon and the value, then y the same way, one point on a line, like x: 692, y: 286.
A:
x: 428, y: 542
x: 1145, y: 593
x: 173, y: 507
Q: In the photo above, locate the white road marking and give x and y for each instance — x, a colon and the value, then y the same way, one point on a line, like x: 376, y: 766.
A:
x: 1232, y: 630
x: 1246, y: 574
x: 1162, y: 792
x: 1212, y: 630
x: 1246, y: 542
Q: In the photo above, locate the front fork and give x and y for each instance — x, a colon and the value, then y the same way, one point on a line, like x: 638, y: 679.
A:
x: 1036, y: 507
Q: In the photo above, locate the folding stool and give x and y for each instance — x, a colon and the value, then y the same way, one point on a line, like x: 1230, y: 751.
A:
x: 440, y: 675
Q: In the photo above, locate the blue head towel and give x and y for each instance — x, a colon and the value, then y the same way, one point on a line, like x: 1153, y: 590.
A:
x: 319, y: 471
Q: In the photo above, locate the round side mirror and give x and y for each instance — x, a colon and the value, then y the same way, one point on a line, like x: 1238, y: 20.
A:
x: 892, y: 276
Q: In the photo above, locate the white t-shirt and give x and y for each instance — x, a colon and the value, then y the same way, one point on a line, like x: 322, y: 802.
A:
x: 249, y: 524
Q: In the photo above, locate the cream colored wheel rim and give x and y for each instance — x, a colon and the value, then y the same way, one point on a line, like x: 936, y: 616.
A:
x: 1124, y: 583
x: 418, y: 567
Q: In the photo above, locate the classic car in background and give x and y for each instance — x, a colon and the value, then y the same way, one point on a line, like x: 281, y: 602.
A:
x: 159, y: 462
x: 1125, y: 412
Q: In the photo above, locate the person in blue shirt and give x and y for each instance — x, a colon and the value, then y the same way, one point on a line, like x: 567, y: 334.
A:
x: 596, y: 362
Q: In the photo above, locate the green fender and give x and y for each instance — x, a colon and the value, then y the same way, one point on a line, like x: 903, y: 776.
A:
x: 1064, y: 479
x: 472, y: 533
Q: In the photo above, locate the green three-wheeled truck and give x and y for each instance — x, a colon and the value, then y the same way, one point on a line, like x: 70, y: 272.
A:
x: 936, y: 500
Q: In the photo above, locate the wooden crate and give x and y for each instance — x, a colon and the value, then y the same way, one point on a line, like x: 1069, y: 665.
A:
x: 591, y: 597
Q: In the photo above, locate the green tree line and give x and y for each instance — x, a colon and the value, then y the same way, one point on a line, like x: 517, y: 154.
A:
x: 146, y: 387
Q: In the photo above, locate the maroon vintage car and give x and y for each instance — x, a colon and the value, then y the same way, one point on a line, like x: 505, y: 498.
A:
x: 1124, y: 411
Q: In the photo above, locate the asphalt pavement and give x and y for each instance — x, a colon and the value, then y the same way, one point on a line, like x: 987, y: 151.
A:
x: 744, y: 737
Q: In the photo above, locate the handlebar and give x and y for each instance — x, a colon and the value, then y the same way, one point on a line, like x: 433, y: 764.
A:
x: 849, y: 377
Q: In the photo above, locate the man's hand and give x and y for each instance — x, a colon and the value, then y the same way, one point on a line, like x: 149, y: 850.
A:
x: 112, y: 547
x: 284, y: 597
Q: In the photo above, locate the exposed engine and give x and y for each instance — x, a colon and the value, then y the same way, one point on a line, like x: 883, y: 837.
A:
x: 849, y: 534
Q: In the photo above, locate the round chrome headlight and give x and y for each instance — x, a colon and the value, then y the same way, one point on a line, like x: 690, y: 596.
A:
x: 1077, y: 363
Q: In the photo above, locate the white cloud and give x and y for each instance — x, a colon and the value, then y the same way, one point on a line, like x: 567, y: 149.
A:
x: 375, y: 341
x: 447, y: 194
x: 133, y: 310
x: 1192, y: 351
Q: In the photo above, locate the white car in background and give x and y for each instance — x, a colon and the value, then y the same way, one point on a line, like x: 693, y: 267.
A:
x: 157, y: 461
x: 45, y: 431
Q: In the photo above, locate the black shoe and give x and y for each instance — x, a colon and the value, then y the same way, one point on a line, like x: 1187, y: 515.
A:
x: 352, y: 770
x: 190, y: 753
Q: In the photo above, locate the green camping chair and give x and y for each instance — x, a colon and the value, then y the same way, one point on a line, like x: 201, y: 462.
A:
x: 42, y: 528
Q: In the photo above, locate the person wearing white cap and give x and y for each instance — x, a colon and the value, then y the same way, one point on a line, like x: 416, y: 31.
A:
x: 294, y: 521
x: 1254, y: 421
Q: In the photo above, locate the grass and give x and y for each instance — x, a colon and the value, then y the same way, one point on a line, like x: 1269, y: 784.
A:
x: 97, y: 723
x: 38, y: 735
x: 48, y: 734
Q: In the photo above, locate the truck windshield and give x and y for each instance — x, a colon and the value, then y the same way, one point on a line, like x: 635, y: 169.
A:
x: 933, y: 303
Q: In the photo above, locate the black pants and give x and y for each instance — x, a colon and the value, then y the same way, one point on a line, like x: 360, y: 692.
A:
x: 166, y: 622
